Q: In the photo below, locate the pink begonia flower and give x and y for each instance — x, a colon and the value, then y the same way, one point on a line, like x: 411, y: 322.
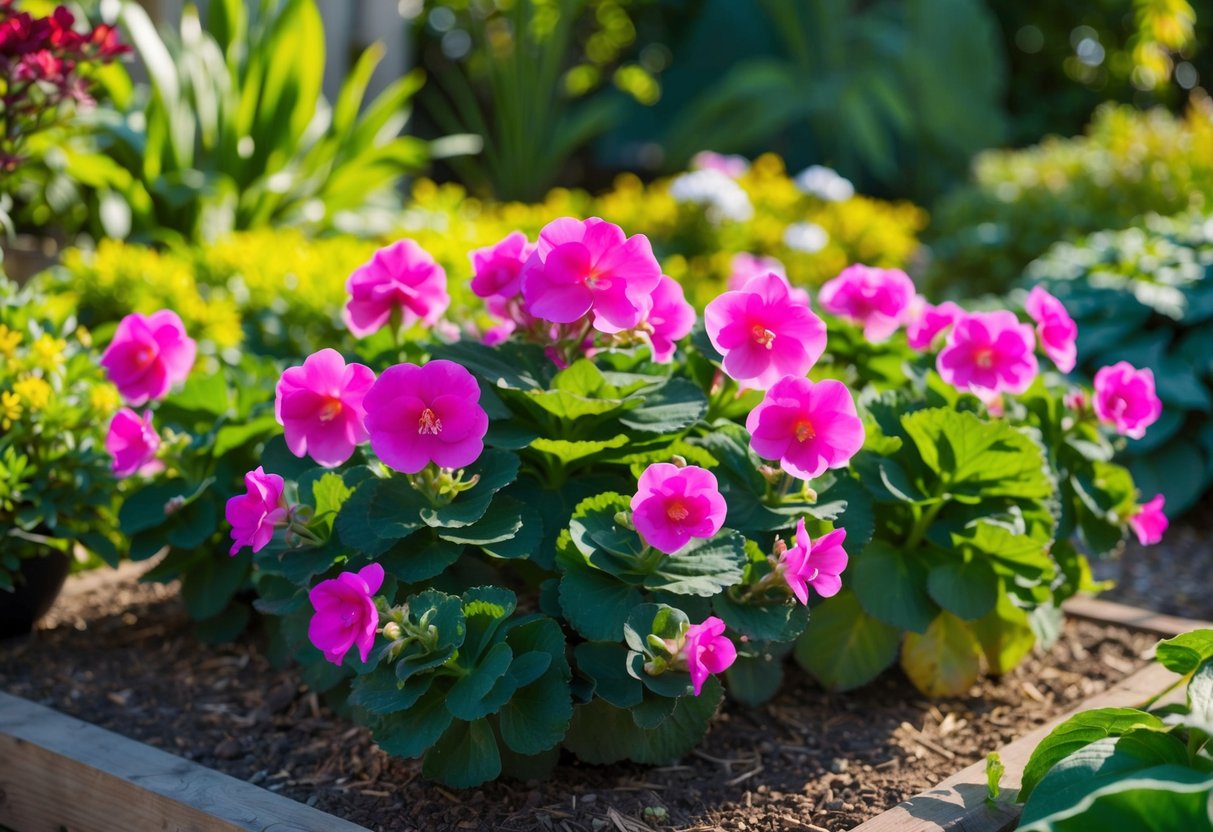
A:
x: 1076, y: 399
x: 670, y: 319
x: 818, y: 563
x: 499, y: 333
x: 1149, y: 523
x: 674, y: 504
x: 1125, y: 397
x: 707, y: 650
x: 763, y: 333
x: 808, y: 426
x: 584, y: 265
x: 418, y: 415
x: 320, y: 407
x: 401, y: 277
x: 1056, y: 329
x: 149, y: 356
x: 746, y: 267
x: 990, y: 351
x: 730, y: 165
x: 254, y: 514
x: 345, y: 613
x: 132, y: 442
x: 925, y: 321
x: 498, y: 268
x: 876, y: 298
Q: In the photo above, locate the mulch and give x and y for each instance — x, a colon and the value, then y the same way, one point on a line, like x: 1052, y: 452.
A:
x: 120, y: 654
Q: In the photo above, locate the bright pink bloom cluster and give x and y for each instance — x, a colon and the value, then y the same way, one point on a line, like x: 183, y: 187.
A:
x: 148, y: 356
x: 345, y: 613
x: 584, y: 266
x: 401, y: 279
x: 1125, y: 398
x: 989, y: 352
x: 255, y: 514
x: 763, y: 333
x: 818, y: 563
x: 673, y: 505
x: 1149, y: 523
x: 582, y: 276
x: 1056, y: 329
x: 132, y: 442
x: 875, y: 298
x: 707, y: 650
x: 320, y: 407
x: 418, y: 415
x: 925, y: 322
x: 808, y: 426
x: 746, y: 267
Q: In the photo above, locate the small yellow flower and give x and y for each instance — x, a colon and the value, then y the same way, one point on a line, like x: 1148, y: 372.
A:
x: 10, y: 409
x: 35, y: 391
x: 9, y: 339
x: 103, y: 399
x: 48, y: 351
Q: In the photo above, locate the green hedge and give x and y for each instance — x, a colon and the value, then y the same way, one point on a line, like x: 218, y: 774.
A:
x: 1145, y: 295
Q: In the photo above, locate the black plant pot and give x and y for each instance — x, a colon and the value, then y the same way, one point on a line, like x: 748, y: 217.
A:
x: 38, y: 585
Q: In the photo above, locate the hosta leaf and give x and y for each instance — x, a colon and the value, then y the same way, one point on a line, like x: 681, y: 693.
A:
x: 1079, y: 731
x: 1184, y: 653
x: 943, y: 661
x: 844, y: 647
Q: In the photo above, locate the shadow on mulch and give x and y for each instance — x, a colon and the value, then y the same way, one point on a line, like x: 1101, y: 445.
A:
x: 122, y: 656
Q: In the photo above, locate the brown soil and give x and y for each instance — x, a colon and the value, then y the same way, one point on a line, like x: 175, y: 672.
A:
x: 120, y: 654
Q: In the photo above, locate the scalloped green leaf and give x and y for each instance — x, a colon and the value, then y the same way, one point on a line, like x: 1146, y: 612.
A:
x: 409, y: 733
x: 465, y: 756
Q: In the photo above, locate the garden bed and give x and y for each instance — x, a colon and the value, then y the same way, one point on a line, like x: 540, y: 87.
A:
x: 120, y: 654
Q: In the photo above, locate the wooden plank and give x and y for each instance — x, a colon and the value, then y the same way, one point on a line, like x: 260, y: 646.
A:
x: 1109, y: 612
x: 958, y: 804
x: 59, y: 773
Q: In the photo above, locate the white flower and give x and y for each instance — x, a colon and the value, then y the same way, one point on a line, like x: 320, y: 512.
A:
x: 824, y: 183
x: 805, y: 236
x: 721, y: 197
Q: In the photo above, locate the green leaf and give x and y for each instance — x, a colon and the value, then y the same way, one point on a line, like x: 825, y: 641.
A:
x: 844, y: 647
x: 202, y: 393
x: 601, y: 733
x: 702, y: 567
x: 209, y: 586
x: 569, y: 451
x: 395, y: 508
x: 1184, y: 653
x: 500, y: 523
x: 606, y: 664
x: 943, y: 661
x: 409, y: 733
x: 382, y: 693
x: 445, y: 614
x: 411, y: 561
x: 754, y: 680
x: 1200, y: 693
x: 232, y: 436
x: 506, y: 366
x: 595, y: 603
x: 1015, y: 553
x: 1078, y: 732
x: 485, y: 608
x: 329, y: 494
x: 762, y: 622
x: 538, y: 715
x: 671, y: 408
x: 592, y: 527
x: 466, y: 699
x: 1156, y: 799
x: 353, y: 523
x: 978, y: 459
x: 276, y: 458
x: 465, y: 756
x: 496, y: 469
x: 892, y: 586
x: 1098, y: 765
x: 144, y: 509
x: 967, y: 588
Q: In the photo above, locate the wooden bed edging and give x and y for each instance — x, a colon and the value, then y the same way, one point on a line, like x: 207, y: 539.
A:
x: 958, y: 804
x: 1135, y: 618
x: 59, y: 774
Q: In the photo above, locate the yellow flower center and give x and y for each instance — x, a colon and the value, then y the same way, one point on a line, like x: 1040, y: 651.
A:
x: 804, y: 430
x: 763, y: 336
x: 676, y: 511
x: 429, y: 423
x: 331, y: 409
